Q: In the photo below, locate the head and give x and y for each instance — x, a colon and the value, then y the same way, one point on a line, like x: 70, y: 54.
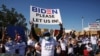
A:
x: 62, y: 39
x: 46, y: 35
x: 89, y: 44
x: 79, y: 43
x: 9, y: 38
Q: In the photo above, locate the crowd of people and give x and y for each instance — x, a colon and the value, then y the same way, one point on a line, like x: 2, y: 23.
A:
x: 63, y: 44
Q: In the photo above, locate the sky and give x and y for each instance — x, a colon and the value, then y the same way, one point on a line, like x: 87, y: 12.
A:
x: 71, y: 11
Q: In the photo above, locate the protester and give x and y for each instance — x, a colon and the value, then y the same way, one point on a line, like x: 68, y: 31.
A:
x: 75, y: 49
x: 31, y: 42
x: 22, y: 48
x: 70, y: 50
x: 63, y: 46
x: 29, y: 51
x: 38, y: 49
x: 17, y: 36
x: 58, y: 49
x: 94, y: 43
x: 16, y: 46
x: 48, y: 44
x: 89, y: 48
x: 80, y: 48
x: 2, y: 48
x: 86, y: 52
x: 9, y: 47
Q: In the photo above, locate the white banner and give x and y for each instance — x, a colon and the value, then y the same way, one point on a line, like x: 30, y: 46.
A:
x: 44, y: 16
x: 94, y: 26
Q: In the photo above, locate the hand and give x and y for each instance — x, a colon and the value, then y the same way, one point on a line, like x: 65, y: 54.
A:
x: 31, y: 23
x: 60, y: 24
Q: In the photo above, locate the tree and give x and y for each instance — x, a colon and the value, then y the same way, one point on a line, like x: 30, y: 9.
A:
x: 11, y: 17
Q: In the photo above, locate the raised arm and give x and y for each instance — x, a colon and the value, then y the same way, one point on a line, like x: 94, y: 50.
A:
x: 3, y: 35
x: 34, y: 33
x: 60, y: 32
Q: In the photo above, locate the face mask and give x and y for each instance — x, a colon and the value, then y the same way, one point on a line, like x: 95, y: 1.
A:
x: 80, y: 44
x: 47, y: 38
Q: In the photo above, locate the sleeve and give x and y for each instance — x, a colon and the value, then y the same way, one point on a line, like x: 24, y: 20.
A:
x: 60, y: 32
x: 34, y: 33
x: 55, y: 42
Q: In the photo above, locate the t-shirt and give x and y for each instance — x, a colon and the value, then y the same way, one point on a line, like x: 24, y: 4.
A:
x: 22, y: 47
x: 48, y: 47
x: 31, y: 43
x: 9, y: 47
x: 85, y: 40
x: 89, y: 48
x: 70, y: 50
x: 63, y: 44
x: 17, y: 45
x: 93, y: 39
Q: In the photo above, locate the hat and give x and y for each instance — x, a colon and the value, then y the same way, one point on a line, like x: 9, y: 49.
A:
x: 46, y: 34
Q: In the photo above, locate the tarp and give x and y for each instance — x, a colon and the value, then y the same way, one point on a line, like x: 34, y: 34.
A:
x: 11, y: 32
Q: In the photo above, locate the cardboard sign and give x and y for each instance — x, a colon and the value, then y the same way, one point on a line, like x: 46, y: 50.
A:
x: 44, y: 16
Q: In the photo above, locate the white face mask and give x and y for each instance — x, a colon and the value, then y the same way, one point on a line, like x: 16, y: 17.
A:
x: 80, y: 44
x: 47, y: 38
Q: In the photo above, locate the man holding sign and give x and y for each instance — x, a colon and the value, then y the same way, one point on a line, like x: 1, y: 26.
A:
x: 47, y: 43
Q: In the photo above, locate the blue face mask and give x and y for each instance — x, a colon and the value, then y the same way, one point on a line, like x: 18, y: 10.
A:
x: 47, y: 38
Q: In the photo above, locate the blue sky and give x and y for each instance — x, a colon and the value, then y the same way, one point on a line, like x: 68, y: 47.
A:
x: 71, y: 11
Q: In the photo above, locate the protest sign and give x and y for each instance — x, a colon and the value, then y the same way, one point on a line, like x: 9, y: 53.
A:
x: 44, y: 16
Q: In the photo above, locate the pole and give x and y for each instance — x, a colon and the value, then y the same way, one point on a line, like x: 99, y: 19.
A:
x: 82, y: 23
